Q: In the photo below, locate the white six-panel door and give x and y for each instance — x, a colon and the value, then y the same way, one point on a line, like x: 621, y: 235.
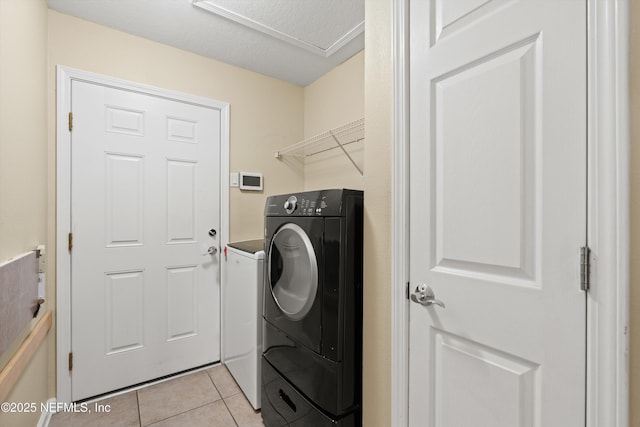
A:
x: 145, y: 193
x: 498, y: 212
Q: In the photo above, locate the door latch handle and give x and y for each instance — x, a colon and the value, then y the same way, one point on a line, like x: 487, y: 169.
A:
x: 212, y: 250
x: 424, y: 295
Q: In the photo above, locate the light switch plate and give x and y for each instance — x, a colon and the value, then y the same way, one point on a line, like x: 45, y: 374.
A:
x: 233, y: 179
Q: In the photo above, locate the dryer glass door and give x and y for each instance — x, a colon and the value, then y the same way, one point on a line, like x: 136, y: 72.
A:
x: 292, y: 271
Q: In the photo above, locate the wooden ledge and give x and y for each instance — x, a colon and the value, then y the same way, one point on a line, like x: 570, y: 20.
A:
x: 11, y: 373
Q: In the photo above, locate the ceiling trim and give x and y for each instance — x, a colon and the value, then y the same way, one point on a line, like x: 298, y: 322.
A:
x: 209, y: 6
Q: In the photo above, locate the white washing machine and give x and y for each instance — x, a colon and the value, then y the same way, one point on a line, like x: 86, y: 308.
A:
x: 242, y: 315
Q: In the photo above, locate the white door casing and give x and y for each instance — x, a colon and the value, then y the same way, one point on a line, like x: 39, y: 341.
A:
x: 498, y: 212
x: 145, y: 295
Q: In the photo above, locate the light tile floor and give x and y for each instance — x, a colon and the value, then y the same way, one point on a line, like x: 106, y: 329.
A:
x: 207, y: 398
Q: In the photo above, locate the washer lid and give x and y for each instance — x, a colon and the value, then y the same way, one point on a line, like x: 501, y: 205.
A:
x: 249, y: 246
x: 292, y: 271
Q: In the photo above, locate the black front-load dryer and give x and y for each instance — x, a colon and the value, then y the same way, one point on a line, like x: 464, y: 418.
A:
x: 312, y: 329
x: 295, y: 278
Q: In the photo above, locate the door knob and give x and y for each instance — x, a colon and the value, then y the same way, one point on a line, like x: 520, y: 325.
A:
x: 424, y: 295
x: 212, y: 250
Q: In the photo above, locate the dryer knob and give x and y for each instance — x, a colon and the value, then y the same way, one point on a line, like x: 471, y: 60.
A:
x: 290, y: 204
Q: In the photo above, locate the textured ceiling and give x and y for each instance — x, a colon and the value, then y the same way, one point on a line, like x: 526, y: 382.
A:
x: 292, y: 40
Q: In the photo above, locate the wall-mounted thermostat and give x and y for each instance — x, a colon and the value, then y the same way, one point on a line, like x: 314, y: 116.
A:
x: 251, y: 181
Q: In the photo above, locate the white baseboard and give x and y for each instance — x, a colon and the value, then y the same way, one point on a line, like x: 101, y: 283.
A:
x: 45, y: 416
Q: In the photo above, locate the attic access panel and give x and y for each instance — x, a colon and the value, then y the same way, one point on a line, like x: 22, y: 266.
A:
x: 321, y: 27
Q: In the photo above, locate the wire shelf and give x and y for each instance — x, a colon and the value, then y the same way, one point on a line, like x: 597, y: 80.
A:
x: 345, y: 134
x: 339, y: 137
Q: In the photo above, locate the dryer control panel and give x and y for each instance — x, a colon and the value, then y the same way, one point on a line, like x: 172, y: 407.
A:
x: 309, y: 203
x: 313, y: 206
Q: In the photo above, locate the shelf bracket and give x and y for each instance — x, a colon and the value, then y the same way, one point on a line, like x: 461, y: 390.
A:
x: 346, y: 153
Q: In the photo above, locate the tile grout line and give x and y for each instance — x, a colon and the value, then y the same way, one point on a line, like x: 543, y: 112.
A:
x: 239, y: 392
x: 230, y: 413
x: 222, y: 398
x: 182, y: 413
x: 138, y: 406
x: 188, y: 410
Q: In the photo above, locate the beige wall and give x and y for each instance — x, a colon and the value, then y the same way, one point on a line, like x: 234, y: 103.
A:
x: 333, y: 100
x: 266, y: 113
x: 22, y: 125
x: 378, y: 115
x: 23, y: 166
x: 634, y: 306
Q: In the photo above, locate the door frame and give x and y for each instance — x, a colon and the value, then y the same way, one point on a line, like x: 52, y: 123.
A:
x: 607, y: 398
x: 65, y: 75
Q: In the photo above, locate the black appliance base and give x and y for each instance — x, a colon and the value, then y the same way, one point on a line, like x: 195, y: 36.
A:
x: 282, y: 405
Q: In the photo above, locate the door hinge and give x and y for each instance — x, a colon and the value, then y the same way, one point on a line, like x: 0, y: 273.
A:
x: 70, y: 361
x: 70, y: 121
x: 585, y: 268
x: 407, y: 291
x: 70, y: 241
